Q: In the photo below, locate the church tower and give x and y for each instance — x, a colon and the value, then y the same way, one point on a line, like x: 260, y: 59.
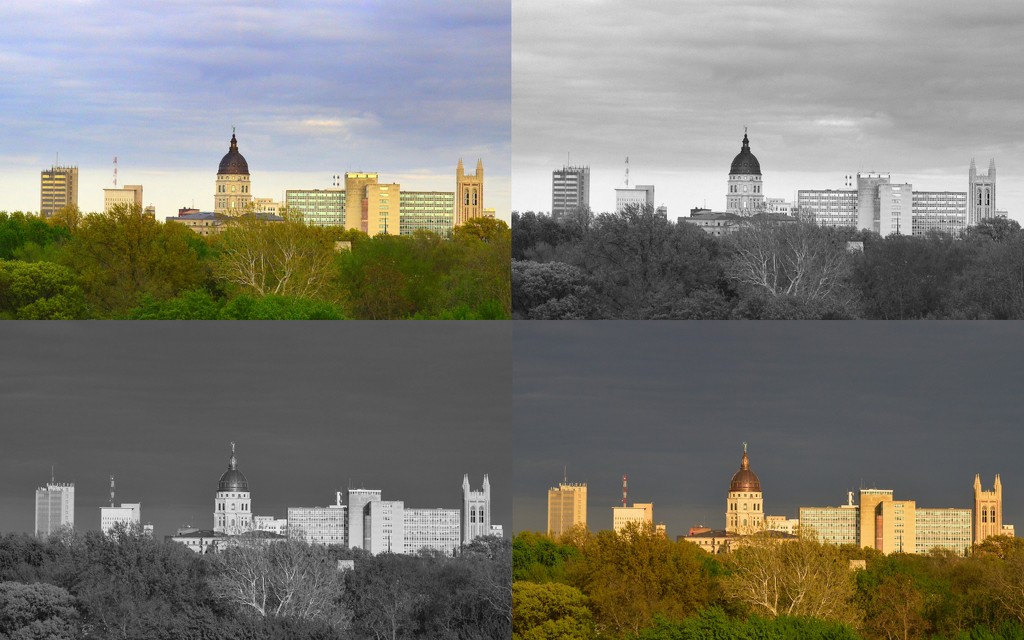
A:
x: 981, y: 193
x: 232, y: 508
x: 233, y: 194
x: 744, y: 513
x: 476, y: 510
x: 988, y: 510
x: 746, y: 196
x: 469, y: 193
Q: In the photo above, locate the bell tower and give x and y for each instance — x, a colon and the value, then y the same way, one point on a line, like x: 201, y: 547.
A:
x: 988, y: 510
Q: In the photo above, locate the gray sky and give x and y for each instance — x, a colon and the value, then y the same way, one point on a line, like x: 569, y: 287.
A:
x: 826, y: 408
x: 316, y: 88
x: 407, y: 408
x: 827, y: 89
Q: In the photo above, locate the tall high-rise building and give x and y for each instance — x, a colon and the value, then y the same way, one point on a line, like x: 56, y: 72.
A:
x: 233, y: 505
x: 988, y: 510
x: 55, y: 508
x: 58, y: 187
x: 476, y: 510
x: 570, y: 190
x: 744, y: 513
x: 981, y: 191
x: 895, y: 209
x: 567, y: 507
x: 130, y: 195
x: 383, y: 208
x: 233, y: 193
x: 469, y: 193
x: 384, y: 526
x: 357, y: 215
x: 745, y: 195
x: 357, y: 501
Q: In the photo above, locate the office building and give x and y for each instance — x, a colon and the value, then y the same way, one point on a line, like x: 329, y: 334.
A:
x: 357, y: 501
x: 744, y: 512
x: 714, y: 223
x: 55, y: 508
x: 317, y: 207
x: 476, y: 510
x: 233, y: 194
x: 469, y: 193
x: 943, y: 529
x: 233, y: 505
x: 570, y: 190
x: 129, y: 195
x: 433, y: 529
x: 427, y: 211
x: 58, y: 187
x: 988, y: 511
x: 641, y: 513
x: 270, y: 524
x: 828, y: 207
x: 895, y: 209
x: 372, y: 207
x: 128, y: 514
x: 868, y: 203
x: 745, y: 194
x: 832, y: 525
x: 384, y: 526
x: 642, y: 195
x: 944, y: 211
x: 567, y: 507
x: 981, y: 188
x: 320, y: 525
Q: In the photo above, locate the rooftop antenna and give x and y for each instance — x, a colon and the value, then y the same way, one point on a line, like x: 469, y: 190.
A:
x: 52, y: 479
x: 627, y: 172
x: 565, y: 476
x: 111, y: 490
x: 115, y: 178
x: 624, y: 478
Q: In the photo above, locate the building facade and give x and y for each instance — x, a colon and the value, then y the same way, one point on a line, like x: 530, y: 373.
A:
x: 567, y: 507
x: 988, y: 510
x: 895, y: 209
x: 129, y: 195
x: 469, y: 193
x: 357, y: 501
x: 981, y: 188
x: 233, y: 191
x: 832, y: 525
x: 55, y: 508
x: 427, y: 211
x: 944, y: 211
x: 828, y: 207
x: 476, y: 510
x: 129, y: 513
x: 570, y: 190
x: 270, y: 524
x: 432, y: 529
x: 320, y: 525
x: 744, y: 512
x: 641, y: 513
x: 232, y: 506
x: 58, y: 188
x: 317, y: 207
x: 745, y: 190
x: 384, y: 526
x: 642, y: 195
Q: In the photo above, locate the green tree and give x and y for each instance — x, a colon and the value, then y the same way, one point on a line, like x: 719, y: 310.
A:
x: 36, y: 611
x: 550, y: 611
x: 123, y: 255
x: 40, y: 291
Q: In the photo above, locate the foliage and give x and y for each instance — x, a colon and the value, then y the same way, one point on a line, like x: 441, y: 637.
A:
x: 40, y: 291
x: 18, y: 229
x: 36, y: 611
x: 550, y: 611
x: 550, y: 291
x: 538, y: 558
x: 714, y: 624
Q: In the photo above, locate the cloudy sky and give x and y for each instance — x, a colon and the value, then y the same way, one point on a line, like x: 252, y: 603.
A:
x: 316, y: 88
x: 826, y: 408
x: 314, y: 408
x: 827, y: 89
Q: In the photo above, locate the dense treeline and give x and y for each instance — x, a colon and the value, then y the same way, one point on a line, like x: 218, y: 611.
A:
x: 127, y: 585
x: 638, y: 584
x: 123, y: 264
x: 637, y: 265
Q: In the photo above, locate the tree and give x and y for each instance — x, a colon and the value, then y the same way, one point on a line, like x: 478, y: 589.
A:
x: 384, y: 596
x: 69, y: 216
x: 36, y: 611
x: 123, y: 255
x: 895, y: 609
x: 792, y: 578
x: 550, y: 611
x: 550, y: 291
x: 276, y: 258
x: 40, y: 291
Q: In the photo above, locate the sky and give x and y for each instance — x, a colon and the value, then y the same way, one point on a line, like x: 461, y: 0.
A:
x: 314, y: 408
x: 315, y: 89
x: 826, y: 408
x: 826, y: 89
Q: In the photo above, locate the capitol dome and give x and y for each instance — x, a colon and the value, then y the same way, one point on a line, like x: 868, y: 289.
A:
x: 233, y: 163
x: 745, y: 480
x: 745, y: 163
x: 233, y: 479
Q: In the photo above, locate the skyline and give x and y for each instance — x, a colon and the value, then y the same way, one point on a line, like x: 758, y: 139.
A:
x: 825, y: 410
x: 314, y: 89
x: 312, y: 412
x: 675, y: 84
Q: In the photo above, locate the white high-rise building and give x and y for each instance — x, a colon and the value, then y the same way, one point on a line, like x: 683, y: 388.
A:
x: 129, y: 513
x: 320, y: 525
x: 641, y: 195
x: 357, y: 501
x: 476, y: 510
x: 233, y: 505
x: 55, y: 508
x: 384, y: 527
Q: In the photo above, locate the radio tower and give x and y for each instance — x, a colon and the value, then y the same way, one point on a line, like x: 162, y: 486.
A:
x: 624, y: 478
x: 627, y: 172
x: 115, y: 178
x: 111, y: 490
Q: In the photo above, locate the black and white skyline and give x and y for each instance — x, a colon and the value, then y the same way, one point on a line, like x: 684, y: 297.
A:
x: 313, y: 407
x: 915, y: 89
x: 826, y: 408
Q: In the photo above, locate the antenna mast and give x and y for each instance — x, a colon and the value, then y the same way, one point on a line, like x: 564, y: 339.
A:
x: 627, y: 172
x: 624, y: 478
x: 115, y: 178
x: 111, y: 490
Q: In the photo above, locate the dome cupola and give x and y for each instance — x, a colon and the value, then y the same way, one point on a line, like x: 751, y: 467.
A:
x: 745, y: 163
x: 745, y: 480
x: 233, y: 163
x: 233, y: 479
